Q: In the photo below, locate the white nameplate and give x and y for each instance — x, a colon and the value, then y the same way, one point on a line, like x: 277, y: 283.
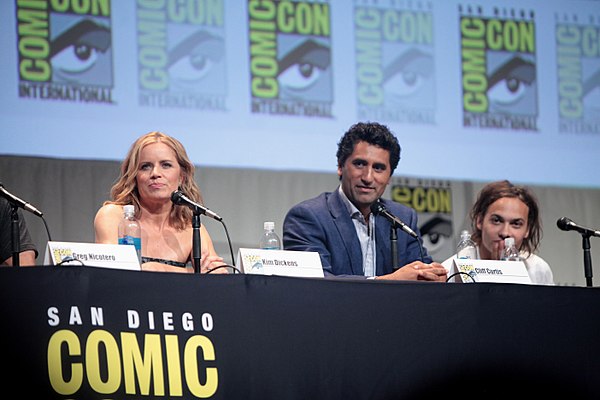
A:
x: 494, y: 271
x: 92, y: 255
x: 280, y: 262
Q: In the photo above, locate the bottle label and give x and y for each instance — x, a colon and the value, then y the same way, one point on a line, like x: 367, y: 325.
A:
x: 467, y: 253
x: 136, y: 241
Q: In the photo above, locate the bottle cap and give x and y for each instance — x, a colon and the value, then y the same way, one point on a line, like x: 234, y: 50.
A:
x: 509, y: 241
x: 128, y: 209
x: 269, y: 225
x: 464, y: 233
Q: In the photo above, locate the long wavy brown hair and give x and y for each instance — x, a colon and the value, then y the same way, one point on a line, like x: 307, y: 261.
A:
x: 497, y: 190
x: 125, y: 190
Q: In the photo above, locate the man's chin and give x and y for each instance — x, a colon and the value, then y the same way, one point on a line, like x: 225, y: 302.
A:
x: 366, y: 201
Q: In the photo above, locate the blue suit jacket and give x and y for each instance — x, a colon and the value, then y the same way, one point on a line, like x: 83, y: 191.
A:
x: 322, y: 224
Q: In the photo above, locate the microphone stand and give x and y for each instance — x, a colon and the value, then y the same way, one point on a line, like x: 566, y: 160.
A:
x: 394, y: 240
x: 587, y: 259
x: 15, y: 235
x: 196, y: 240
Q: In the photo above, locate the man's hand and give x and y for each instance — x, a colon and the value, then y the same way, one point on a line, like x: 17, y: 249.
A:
x: 418, y: 271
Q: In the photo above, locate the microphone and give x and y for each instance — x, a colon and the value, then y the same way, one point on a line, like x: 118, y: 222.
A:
x: 565, y: 224
x: 18, y: 202
x: 178, y: 198
x: 379, y: 208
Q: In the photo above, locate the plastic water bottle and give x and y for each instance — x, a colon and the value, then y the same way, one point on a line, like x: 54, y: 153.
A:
x: 269, y: 239
x: 130, y: 231
x: 466, y: 248
x: 510, y: 252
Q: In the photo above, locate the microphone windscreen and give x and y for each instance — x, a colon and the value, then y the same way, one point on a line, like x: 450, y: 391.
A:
x: 377, y: 207
x: 176, y: 197
x: 563, y: 223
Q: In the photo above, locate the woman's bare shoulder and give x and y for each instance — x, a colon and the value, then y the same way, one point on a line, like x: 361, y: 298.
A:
x: 109, y: 211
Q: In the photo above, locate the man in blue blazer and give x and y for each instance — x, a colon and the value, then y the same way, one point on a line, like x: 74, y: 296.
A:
x: 340, y: 226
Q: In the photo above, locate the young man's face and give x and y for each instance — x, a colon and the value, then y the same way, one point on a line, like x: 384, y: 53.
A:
x: 506, y: 217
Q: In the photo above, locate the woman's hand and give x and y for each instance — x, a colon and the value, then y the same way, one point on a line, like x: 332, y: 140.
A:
x: 211, y: 264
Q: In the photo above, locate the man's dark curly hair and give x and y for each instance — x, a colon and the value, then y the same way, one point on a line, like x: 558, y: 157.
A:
x: 373, y: 133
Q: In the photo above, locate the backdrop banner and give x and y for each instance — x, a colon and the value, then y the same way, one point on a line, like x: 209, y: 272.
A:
x: 452, y: 79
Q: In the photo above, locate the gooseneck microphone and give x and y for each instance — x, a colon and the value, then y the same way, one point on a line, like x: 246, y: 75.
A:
x: 565, y: 224
x: 18, y: 202
x: 15, y: 231
x: 180, y: 199
x: 379, y: 208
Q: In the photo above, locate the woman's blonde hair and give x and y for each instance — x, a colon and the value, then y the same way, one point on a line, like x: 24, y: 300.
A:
x: 125, y: 190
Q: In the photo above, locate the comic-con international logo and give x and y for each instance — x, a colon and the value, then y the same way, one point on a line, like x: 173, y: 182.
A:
x: 64, y: 50
x: 432, y: 200
x: 578, y: 72
x: 394, y: 61
x: 290, y: 57
x: 498, y: 61
x: 181, y: 54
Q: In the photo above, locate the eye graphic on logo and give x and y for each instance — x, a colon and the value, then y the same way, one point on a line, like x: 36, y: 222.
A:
x: 508, y: 84
x: 591, y: 83
x: 76, y: 50
x: 301, y: 68
x: 195, y: 56
x: 591, y: 93
x: 408, y: 72
x: 435, y: 233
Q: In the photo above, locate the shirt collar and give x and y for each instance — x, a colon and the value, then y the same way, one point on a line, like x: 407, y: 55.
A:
x: 351, y: 208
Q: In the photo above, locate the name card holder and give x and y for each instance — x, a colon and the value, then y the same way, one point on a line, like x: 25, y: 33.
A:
x: 280, y: 262
x: 493, y: 271
x: 92, y: 255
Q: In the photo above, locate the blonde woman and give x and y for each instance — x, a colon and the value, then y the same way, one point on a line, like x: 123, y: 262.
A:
x: 155, y: 166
